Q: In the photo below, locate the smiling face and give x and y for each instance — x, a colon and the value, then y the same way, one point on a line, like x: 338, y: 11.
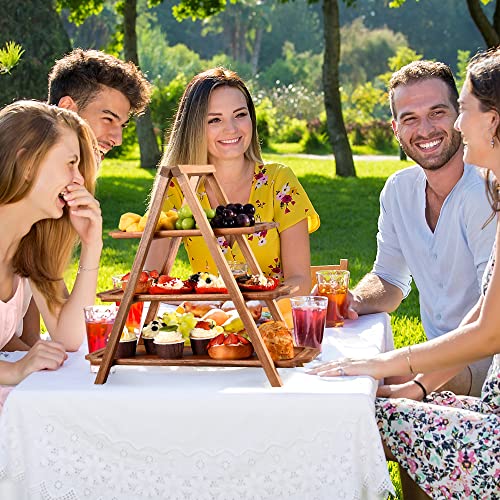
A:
x: 107, y: 114
x: 424, y: 123
x: 478, y: 128
x: 229, y: 126
x: 57, y: 170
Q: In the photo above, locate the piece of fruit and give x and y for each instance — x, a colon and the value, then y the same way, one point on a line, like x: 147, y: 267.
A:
x: 178, y: 224
x: 210, y: 213
x: 185, y: 212
x: 133, y: 228
x: 127, y: 219
x: 249, y: 209
x: 187, y: 223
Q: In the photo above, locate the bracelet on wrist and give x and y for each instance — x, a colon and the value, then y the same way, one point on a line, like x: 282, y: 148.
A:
x: 421, y: 387
x: 81, y: 269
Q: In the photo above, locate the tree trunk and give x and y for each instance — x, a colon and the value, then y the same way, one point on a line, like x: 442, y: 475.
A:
x: 334, y: 119
x: 490, y: 32
x: 148, y: 145
x: 254, y: 61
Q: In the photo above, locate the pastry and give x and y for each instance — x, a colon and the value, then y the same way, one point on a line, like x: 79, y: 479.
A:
x: 230, y: 346
x: 278, y: 340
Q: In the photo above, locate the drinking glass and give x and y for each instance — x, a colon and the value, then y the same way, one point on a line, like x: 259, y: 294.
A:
x: 334, y: 285
x: 99, y: 321
x: 309, y: 314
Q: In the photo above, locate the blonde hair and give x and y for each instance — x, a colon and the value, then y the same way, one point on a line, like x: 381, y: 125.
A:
x: 28, y: 130
x: 187, y: 139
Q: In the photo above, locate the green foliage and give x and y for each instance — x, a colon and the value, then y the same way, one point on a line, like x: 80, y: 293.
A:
x: 10, y: 56
x: 266, y: 121
x: 463, y: 57
x: 164, y: 101
x: 243, y: 69
x: 79, y: 11
x: 365, y: 51
x: 36, y: 26
x: 293, y: 68
x: 315, y: 139
x: 198, y: 9
x: 292, y: 130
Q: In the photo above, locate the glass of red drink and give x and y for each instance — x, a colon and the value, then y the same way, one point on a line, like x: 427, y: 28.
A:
x: 133, y: 322
x: 99, y: 321
x: 309, y: 315
x: 334, y: 285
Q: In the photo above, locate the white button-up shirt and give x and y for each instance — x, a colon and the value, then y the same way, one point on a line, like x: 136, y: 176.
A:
x: 447, y: 264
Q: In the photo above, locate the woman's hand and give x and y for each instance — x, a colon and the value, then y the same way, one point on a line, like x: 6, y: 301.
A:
x: 44, y: 355
x: 84, y: 213
x: 346, y: 367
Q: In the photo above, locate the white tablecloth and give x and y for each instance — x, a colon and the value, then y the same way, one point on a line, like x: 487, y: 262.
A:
x: 196, y: 433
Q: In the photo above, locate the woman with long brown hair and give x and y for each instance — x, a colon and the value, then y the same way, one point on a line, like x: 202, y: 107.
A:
x: 47, y: 180
x: 216, y: 124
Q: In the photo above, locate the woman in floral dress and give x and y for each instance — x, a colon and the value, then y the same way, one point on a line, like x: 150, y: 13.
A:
x: 216, y: 124
x: 450, y: 445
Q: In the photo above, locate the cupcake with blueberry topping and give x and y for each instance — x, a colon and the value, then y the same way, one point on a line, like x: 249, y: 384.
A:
x: 149, y: 333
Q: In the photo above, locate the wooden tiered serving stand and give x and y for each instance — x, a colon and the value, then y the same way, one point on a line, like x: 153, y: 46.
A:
x: 188, y: 177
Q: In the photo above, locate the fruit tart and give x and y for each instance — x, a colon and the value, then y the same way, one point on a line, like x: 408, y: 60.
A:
x: 143, y: 284
x: 257, y: 283
x: 208, y: 283
x: 230, y: 346
x: 168, y: 285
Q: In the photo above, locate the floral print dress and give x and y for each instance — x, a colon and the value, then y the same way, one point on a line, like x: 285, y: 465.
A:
x: 277, y: 196
x: 450, y: 445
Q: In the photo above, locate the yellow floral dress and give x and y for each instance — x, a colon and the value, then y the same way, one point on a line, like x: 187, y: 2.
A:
x: 277, y: 196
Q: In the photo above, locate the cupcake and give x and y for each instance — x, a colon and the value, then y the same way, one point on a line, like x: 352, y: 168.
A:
x: 127, y: 344
x: 149, y: 332
x: 169, y: 344
x: 201, y: 334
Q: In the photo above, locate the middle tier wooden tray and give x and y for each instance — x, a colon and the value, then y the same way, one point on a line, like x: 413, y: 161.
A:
x: 116, y: 295
x: 302, y: 355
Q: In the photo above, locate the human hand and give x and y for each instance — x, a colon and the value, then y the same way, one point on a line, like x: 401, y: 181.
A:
x: 44, y: 355
x: 351, y: 302
x: 347, y: 367
x: 408, y: 390
x: 84, y: 213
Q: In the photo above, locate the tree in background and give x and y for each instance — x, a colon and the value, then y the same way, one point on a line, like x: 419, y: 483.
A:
x: 80, y: 10
x: 37, y: 27
x: 490, y: 30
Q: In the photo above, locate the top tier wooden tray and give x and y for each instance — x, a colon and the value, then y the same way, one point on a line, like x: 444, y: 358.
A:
x: 181, y: 233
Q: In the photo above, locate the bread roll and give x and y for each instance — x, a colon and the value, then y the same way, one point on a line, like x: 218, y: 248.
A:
x: 254, y: 306
x: 278, y: 340
x: 200, y: 308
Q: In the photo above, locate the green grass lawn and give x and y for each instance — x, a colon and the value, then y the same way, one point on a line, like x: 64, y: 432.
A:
x: 348, y: 209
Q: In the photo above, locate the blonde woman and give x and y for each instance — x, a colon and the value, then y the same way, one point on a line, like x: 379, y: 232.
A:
x: 216, y: 124
x: 449, y: 445
x: 47, y: 180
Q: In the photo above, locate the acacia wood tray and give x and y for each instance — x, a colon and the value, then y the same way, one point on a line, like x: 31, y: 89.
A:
x: 302, y: 355
x: 116, y: 294
x: 181, y: 233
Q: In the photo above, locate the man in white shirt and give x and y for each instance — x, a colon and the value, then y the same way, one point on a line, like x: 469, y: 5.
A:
x: 434, y: 225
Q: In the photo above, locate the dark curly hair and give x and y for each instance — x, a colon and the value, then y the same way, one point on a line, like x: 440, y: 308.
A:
x: 81, y: 74
x: 418, y: 71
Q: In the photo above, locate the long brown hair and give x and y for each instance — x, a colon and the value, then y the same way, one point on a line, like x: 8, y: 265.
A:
x: 483, y: 79
x: 28, y: 130
x: 187, y: 143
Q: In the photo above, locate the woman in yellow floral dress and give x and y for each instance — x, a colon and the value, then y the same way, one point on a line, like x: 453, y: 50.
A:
x: 216, y: 124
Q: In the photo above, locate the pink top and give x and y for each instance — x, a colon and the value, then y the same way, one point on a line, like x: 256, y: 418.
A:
x: 11, y: 313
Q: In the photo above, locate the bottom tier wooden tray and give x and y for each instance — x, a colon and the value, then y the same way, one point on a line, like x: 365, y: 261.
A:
x: 302, y: 355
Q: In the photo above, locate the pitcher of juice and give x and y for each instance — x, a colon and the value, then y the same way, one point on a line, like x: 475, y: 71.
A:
x: 334, y: 285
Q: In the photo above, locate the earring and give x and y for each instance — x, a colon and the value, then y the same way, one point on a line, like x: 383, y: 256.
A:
x: 492, y: 142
